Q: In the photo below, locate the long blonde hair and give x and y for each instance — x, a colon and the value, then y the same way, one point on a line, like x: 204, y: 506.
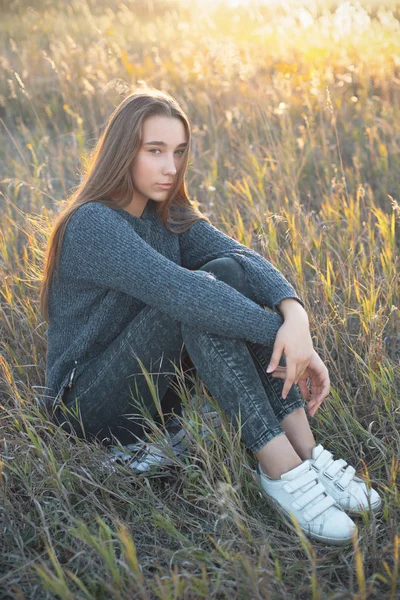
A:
x: 109, y: 174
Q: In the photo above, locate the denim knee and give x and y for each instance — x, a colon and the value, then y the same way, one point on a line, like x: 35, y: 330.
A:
x: 229, y: 271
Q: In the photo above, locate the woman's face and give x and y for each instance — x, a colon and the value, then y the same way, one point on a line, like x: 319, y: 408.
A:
x: 158, y: 159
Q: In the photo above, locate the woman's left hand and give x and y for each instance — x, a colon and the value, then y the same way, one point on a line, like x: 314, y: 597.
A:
x: 318, y: 375
x: 293, y: 339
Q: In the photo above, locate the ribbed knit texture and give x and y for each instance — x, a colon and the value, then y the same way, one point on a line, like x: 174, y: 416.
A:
x: 112, y: 264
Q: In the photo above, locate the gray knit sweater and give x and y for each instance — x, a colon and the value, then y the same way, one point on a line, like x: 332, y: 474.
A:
x: 112, y: 264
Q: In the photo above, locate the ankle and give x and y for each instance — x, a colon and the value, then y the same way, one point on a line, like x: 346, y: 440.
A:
x: 274, y: 472
x: 277, y: 457
x: 306, y: 453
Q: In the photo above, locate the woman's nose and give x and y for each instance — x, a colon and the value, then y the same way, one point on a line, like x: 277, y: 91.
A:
x: 169, y: 165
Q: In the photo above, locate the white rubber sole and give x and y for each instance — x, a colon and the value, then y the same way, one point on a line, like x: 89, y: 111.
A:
x: 287, y: 518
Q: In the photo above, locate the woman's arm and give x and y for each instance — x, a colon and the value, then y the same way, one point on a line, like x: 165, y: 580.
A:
x: 103, y: 250
x: 290, y: 306
x: 204, y: 242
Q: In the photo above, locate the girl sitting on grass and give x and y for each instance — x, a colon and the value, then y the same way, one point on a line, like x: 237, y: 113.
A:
x: 136, y: 276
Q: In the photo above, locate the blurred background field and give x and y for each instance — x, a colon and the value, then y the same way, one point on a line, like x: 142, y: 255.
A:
x: 295, y: 114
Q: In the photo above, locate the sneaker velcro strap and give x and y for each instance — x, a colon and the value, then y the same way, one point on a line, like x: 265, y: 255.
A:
x: 346, y: 478
x: 319, y: 508
x: 335, y: 467
x: 310, y: 495
x: 301, y: 481
x: 322, y: 459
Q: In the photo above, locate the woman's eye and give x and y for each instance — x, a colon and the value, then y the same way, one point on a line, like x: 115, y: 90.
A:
x: 158, y: 150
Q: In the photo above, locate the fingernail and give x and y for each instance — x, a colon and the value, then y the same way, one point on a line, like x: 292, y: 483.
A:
x: 269, y: 368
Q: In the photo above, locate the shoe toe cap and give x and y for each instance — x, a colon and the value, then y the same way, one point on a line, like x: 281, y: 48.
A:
x: 338, y: 528
x: 375, y: 498
x: 362, y: 499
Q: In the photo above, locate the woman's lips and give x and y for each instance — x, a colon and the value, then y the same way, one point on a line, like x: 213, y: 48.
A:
x: 164, y: 185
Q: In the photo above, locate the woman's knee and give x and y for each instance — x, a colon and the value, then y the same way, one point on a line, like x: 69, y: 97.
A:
x: 229, y: 271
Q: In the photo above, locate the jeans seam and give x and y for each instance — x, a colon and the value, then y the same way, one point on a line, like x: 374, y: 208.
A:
x: 243, y: 385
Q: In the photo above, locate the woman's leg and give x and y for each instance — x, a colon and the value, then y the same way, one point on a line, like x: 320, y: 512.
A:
x: 227, y: 369
x: 289, y: 412
x: 106, y: 391
x: 107, y: 397
x: 297, y: 429
x: 293, y: 422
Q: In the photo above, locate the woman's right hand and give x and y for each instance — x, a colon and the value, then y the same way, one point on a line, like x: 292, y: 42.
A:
x: 318, y: 374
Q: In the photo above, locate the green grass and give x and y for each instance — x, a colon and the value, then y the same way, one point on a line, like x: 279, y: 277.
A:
x: 296, y: 153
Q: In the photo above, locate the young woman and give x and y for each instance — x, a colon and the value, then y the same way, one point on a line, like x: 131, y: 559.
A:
x: 136, y: 276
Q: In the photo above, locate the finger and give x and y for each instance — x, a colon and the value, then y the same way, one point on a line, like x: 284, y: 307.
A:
x: 312, y: 408
x: 327, y: 387
x: 301, y: 368
x: 278, y: 375
x: 304, y: 389
x: 290, y: 375
x: 312, y: 411
x: 322, y: 390
x: 316, y: 402
x: 275, y: 358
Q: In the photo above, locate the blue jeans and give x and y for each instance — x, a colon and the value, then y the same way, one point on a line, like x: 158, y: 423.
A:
x: 233, y: 371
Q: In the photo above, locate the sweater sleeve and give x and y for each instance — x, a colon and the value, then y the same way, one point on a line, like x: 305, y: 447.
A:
x: 101, y: 249
x: 204, y: 242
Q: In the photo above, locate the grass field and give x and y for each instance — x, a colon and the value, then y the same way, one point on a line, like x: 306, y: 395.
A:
x: 295, y: 114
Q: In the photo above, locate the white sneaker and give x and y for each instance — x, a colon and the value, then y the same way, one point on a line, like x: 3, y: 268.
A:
x: 142, y: 456
x: 298, y: 493
x: 340, y: 480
